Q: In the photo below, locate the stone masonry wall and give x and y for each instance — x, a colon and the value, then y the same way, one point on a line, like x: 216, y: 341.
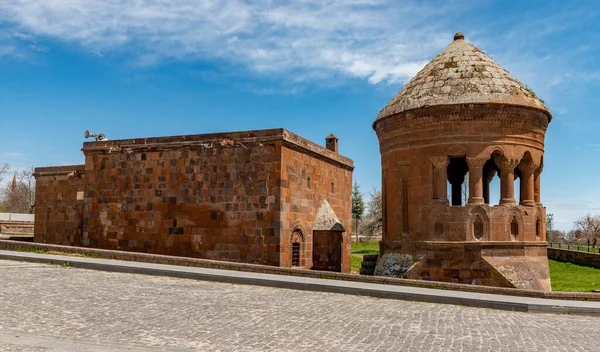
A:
x: 223, y: 196
x: 59, y: 205
x: 575, y: 257
x: 503, y: 264
x: 301, y: 200
x: 216, y: 200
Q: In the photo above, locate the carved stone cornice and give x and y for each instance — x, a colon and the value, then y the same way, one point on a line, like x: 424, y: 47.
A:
x: 527, y: 167
x: 439, y: 161
x: 443, y: 114
x: 476, y: 162
x: 506, y: 163
x: 540, y: 168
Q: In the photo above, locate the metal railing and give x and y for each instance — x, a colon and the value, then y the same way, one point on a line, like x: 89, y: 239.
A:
x: 575, y: 247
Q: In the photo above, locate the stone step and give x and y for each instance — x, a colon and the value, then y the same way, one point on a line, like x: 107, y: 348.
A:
x: 368, y: 264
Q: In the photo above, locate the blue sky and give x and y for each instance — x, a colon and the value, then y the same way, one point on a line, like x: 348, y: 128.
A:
x: 153, y: 68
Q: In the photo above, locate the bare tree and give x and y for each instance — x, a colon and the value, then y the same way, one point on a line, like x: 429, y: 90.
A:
x: 19, y: 196
x: 555, y: 236
x: 589, y: 228
x: 373, y: 222
x: 3, y: 170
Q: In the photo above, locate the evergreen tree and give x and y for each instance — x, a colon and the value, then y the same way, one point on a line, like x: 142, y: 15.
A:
x: 358, y: 206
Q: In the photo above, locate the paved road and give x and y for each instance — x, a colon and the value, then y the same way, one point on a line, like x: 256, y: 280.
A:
x: 51, y: 308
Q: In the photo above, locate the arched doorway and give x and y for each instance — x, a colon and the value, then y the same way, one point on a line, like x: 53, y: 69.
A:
x: 297, y: 240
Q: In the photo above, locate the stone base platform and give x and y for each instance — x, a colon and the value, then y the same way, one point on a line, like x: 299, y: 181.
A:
x: 521, y: 265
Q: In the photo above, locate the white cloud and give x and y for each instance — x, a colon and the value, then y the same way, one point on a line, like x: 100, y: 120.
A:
x: 377, y: 40
x: 6, y: 50
x: 11, y: 155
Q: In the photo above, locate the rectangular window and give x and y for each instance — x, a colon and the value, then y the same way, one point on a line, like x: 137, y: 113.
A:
x: 296, y: 254
x: 332, y: 188
x: 308, y: 183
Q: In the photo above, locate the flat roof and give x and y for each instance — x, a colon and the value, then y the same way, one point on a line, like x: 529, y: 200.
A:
x: 290, y: 140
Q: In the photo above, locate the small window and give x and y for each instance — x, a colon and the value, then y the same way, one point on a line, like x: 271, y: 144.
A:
x: 538, y: 228
x: 296, y: 254
x: 514, y: 228
x: 308, y: 183
x: 478, y: 228
x: 332, y: 188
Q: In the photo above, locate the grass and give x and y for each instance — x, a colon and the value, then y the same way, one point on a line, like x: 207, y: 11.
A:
x: 565, y: 277
x: 43, y: 251
x: 359, y: 249
x: 33, y: 250
x: 573, y: 278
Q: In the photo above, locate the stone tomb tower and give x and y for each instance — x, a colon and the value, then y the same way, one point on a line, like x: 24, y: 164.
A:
x: 460, y: 122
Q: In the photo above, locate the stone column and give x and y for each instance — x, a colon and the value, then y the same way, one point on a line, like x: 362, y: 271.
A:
x: 507, y: 180
x: 440, y: 174
x: 527, y: 169
x: 476, y: 180
x: 537, y: 185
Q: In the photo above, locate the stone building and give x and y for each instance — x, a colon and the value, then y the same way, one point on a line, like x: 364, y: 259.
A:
x: 463, y: 120
x: 267, y: 197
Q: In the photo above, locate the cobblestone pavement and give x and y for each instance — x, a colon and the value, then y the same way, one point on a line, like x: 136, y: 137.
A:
x: 51, y: 308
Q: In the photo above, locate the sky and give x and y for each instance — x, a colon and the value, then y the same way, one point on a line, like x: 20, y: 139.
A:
x: 145, y: 68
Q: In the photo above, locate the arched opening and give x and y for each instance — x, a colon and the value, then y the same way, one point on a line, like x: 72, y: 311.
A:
x: 517, y: 186
x: 457, y: 170
x: 538, y: 229
x: 491, y: 182
x: 478, y: 230
x: 297, y: 248
x: 514, y: 228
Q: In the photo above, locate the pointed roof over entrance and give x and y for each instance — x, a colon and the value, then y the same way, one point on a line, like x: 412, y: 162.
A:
x: 326, y: 219
x: 461, y: 74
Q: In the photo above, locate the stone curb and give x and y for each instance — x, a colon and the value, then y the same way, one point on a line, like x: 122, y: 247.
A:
x: 470, y: 299
x: 266, y: 269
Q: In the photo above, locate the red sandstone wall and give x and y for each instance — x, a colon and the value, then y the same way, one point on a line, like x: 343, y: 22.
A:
x: 58, y: 212
x: 219, y: 196
x: 213, y: 202
x: 408, y: 142
x: 301, y: 203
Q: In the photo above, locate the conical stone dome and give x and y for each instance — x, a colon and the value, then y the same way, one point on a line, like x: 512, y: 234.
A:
x: 461, y: 74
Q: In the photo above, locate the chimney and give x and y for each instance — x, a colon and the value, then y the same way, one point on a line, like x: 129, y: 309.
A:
x: 331, y: 143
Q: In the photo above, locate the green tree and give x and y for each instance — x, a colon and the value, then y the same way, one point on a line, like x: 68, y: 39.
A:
x: 358, y: 206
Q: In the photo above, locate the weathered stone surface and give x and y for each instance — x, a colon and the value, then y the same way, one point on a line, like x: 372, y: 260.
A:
x: 235, y: 196
x: 326, y: 219
x: 529, y: 273
x: 463, y: 121
x: 327, y: 250
x: 394, y: 265
x: 461, y: 74
x: 58, y: 209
